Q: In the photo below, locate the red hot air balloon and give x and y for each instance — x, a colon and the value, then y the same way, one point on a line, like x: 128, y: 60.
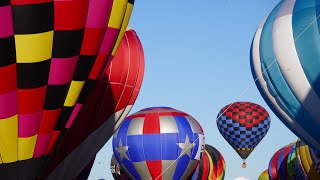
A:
x: 106, y: 107
x: 49, y: 53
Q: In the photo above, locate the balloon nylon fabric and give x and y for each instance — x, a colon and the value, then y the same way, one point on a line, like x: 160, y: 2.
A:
x: 109, y: 103
x: 278, y: 164
x: 243, y: 125
x: 308, y: 164
x: 212, y: 165
x: 154, y: 139
x: 295, y: 161
x: 48, y: 52
x: 290, y: 88
x: 264, y: 175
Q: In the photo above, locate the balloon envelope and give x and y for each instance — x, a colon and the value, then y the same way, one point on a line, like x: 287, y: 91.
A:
x: 295, y: 161
x: 159, y: 143
x: 278, y: 166
x: 243, y: 125
x: 264, y: 175
x: 212, y: 165
x: 308, y: 163
x: 84, y: 174
x: 285, y: 61
x: 109, y: 103
x: 50, y: 56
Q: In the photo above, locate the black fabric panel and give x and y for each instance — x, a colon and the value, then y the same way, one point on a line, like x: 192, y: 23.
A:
x: 33, y: 18
x: 87, y: 88
x: 64, y: 117
x: 4, y: 2
x: 131, y: 1
x: 215, y: 156
x: 56, y: 95
x: 76, y: 160
x: 33, y: 75
x: 30, y: 169
x: 67, y: 43
x: 83, y: 67
x: 7, y: 51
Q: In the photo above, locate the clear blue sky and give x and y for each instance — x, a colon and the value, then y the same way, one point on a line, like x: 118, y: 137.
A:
x: 197, y: 61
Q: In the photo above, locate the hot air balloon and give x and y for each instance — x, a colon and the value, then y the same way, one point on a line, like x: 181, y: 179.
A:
x: 307, y: 161
x: 159, y: 143
x: 243, y: 125
x: 264, y: 175
x: 117, y: 172
x: 295, y: 161
x: 106, y: 107
x: 285, y: 64
x: 49, y: 54
x: 278, y: 166
x: 212, y: 165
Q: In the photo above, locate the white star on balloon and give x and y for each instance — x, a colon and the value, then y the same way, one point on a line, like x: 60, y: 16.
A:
x: 186, y: 147
x: 122, y: 151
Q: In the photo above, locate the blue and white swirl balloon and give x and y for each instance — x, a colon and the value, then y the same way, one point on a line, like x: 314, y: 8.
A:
x: 285, y: 62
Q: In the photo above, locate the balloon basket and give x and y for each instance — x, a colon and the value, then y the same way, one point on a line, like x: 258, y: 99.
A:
x: 244, y: 165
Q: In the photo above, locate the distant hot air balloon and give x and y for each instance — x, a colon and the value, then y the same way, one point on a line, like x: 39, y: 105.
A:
x: 212, y: 165
x: 49, y: 59
x: 243, y: 125
x: 109, y: 103
x: 295, y: 161
x: 264, y: 175
x: 159, y: 143
x: 117, y: 171
x: 285, y: 61
x: 278, y: 166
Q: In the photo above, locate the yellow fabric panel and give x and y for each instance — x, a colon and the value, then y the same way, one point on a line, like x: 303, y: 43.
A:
x: 210, y: 164
x: 223, y: 172
x: 301, y: 153
x: 312, y: 173
x: 123, y: 27
x: 117, y: 13
x: 309, y: 159
x: 32, y: 48
x: 26, y: 147
x: 9, y: 139
x: 73, y: 93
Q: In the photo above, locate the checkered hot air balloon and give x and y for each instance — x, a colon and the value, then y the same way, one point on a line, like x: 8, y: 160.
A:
x: 212, y: 165
x: 243, y: 125
x: 159, y: 143
x: 106, y: 107
x: 50, y: 58
x: 285, y: 62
